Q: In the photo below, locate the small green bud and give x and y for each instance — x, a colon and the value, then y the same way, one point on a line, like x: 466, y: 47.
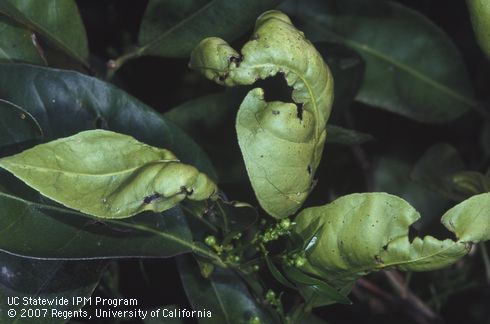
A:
x: 256, y: 267
x: 270, y: 296
x: 299, y: 261
x: 255, y: 320
x: 285, y: 223
x: 210, y: 240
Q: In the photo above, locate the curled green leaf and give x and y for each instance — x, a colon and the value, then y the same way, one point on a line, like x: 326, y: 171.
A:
x: 276, y: 138
x: 109, y: 175
x: 360, y: 233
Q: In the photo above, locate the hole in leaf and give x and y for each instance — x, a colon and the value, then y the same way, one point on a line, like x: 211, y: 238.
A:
x: 275, y: 88
x: 412, y: 234
x: 299, y: 112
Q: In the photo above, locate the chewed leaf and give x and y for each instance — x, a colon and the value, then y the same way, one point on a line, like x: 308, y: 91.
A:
x: 360, y: 233
x: 276, y: 138
x: 108, y: 175
x: 470, y: 220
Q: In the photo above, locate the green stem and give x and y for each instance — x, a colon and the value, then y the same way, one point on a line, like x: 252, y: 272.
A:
x: 114, y: 65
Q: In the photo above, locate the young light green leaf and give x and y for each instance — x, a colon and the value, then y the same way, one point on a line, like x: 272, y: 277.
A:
x: 276, y: 138
x: 360, y: 233
x: 480, y: 18
x: 470, y: 220
x: 109, y: 175
x: 412, y: 67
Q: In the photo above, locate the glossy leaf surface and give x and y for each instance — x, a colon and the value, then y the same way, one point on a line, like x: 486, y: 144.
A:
x: 65, y: 103
x: 441, y: 169
x: 109, y: 175
x: 16, y: 44
x: 275, y: 138
x: 39, y: 229
x: 189, y: 21
x: 412, y: 67
x: 48, y: 280
x: 57, y: 22
x: 17, y: 125
x: 223, y: 293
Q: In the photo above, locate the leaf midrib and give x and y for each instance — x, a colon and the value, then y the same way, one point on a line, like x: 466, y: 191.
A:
x: 415, y: 73
x: 387, y: 265
x: 157, y: 40
x: 82, y: 174
x: 362, y: 47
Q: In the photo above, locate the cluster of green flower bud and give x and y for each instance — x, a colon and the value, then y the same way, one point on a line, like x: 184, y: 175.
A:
x: 297, y: 259
x: 226, y: 249
x: 272, y: 298
x: 273, y: 233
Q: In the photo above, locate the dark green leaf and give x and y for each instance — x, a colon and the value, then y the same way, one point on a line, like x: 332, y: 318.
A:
x: 276, y: 273
x: 347, y: 68
x: 314, y: 297
x: 412, y: 67
x: 57, y: 22
x: 45, y: 231
x: 48, y: 280
x: 65, y: 103
x: 319, y: 287
x: 172, y: 28
x: 16, y: 44
x: 206, y: 112
x: 345, y: 136
x: 392, y: 175
x: 436, y: 168
x: 17, y: 125
x: 224, y: 294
